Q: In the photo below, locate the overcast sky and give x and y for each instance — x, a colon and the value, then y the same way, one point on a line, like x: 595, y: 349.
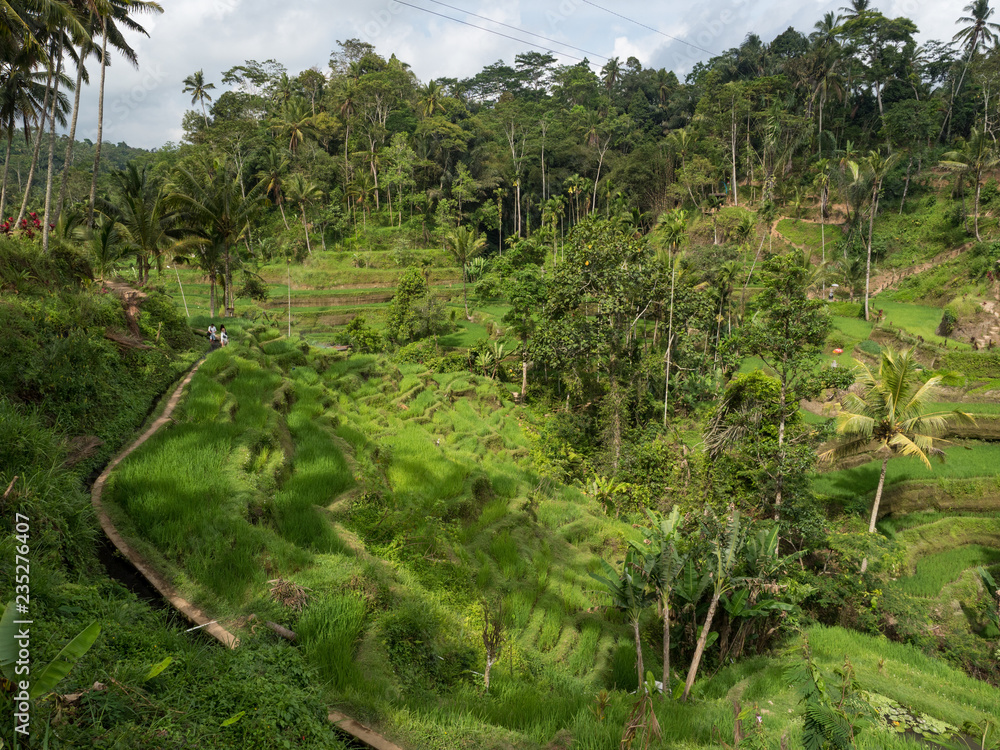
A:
x: 144, y: 106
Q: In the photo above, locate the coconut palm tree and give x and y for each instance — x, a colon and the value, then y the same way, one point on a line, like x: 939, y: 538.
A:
x: 889, y: 416
x: 275, y: 163
x: 978, y: 155
x: 147, y: 224
x: 195, y: 85
x: 464, y: 244
x: 980, y: 32
x: 611, y: 73
x: 22, y: 98
x: 430, y: 96
x: 303, y: 192
x: 112, y: 13
x: 215, y: 210
x: 107, y: 247
x: 295, y: 123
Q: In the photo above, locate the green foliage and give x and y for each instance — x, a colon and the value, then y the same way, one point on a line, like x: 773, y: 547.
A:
x: 329, y: 629
x: 401, y: 321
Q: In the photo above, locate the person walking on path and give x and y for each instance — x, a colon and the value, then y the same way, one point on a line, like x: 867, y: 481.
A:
x: 223, y: 336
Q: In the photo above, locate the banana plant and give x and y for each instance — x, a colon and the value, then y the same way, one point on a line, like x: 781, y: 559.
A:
x: 628, y: 594
x: 662, y: 565
x: 726, y: 550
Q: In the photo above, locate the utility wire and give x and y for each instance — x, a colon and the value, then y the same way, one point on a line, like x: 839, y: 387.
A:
x: 482, y: 28
x: 640, y: 23
x: 523, y: 31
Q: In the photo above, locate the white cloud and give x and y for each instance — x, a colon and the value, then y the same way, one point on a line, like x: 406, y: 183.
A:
x: 144, y: 107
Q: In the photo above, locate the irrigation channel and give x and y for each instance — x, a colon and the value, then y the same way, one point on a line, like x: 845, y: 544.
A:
x: 144, y: 580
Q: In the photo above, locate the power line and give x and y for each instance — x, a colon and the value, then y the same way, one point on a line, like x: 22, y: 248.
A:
x: 482, y: 28
x: 640, y: 23
x: 523, y: 31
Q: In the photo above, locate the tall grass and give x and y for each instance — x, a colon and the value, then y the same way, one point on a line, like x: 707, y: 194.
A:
x: 963, y: 460
x: 329, y: 629
x: 935, y: 571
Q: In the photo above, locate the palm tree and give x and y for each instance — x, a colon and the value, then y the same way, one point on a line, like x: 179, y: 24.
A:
x: 107, y: 246
x: 347, y: 101
x: 147, y: 225
x: 822, y: 183
x: 216, y: 210
x: 980, y: 32
x: 856, y: 9
x: 429, y: 102
x: 302, y: 192
x: 22, y: 97
x: 195, y: 85
x: 978, y: 155
x: 295, y: 123
x: 113, y: 12
x: 275, y: 164
x: 889, y: 417
x: 878, y: 167
x: 464, y: 244
x: 611, y: 73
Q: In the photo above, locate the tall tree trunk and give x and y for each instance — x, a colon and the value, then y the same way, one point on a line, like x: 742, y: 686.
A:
x: 68, y: 159
x: 875, y: 506
x: 736, y: 195
x: 524, y: 369
x: 305, y: 228
x: 281, y: 208
x: 906, y: 187
x: 6, y: 167
x: 465, y: 297
x: 211, y: 294
x: 100, y: 122
x: 670, y: 342
x: 39, y: 130
x: 975, y: 208
x: 868, y: 262
x: 878, y: 496
x: 700, y: 648
x: 638, y: 654
x: 666, y: 642
x: 52, y: 150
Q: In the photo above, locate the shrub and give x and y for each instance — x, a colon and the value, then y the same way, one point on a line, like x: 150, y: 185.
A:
x: 948, y: 322
x: 870, y: 347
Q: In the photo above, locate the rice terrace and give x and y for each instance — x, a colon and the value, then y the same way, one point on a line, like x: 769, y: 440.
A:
x: 571, y: 402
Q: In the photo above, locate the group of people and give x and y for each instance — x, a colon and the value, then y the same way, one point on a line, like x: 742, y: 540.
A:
x: 217, y: 337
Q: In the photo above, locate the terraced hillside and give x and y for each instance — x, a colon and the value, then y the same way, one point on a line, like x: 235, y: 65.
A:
x: 381, y: 512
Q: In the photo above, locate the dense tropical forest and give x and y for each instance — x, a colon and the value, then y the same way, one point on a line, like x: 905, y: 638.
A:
x: 563, y: 405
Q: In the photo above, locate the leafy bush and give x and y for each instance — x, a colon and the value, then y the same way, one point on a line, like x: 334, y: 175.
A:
x: 948, y: 323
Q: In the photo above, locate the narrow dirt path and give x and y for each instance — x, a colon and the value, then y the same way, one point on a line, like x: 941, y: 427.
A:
x: 352, y: 727
x: 160, y: 583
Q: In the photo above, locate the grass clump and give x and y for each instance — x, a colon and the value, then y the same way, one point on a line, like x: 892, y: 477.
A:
x: 329, y: 630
